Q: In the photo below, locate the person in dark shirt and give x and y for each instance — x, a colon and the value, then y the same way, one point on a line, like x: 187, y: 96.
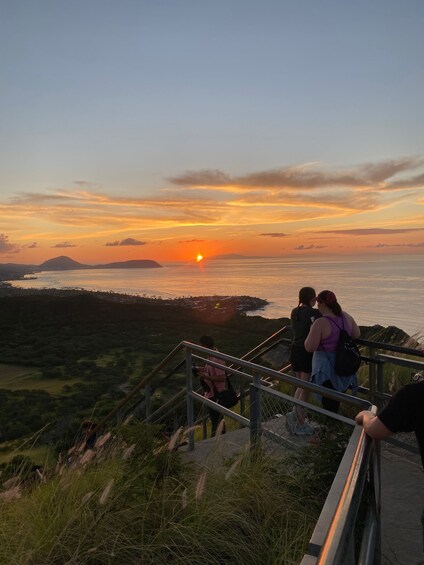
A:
x: 302, y: 318
x: 403, y: 413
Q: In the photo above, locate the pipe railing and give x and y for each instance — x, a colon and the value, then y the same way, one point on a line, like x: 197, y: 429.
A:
x: 254, y: 373
x: 333, y: 540
x: 256, y: 352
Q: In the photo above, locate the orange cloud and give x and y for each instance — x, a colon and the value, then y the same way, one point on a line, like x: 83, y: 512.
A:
x: 288, y: 199
x: 301, y: 177
x: 372, y: 231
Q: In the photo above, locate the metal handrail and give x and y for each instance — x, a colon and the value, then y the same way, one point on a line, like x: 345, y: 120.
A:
x: 390, y: 347
x: 138, y: 387
x: 331, y: 541
x: 178, y: 399
x: 147, y: 379
x: 232, y: 362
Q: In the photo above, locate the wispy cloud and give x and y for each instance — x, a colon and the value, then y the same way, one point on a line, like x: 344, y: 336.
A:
x: 381, y: 245
x: 308, y: 247
x: 127, y: 241
x: 275, y: 234
x: 193, y: 241
x: 64, y: 244
x: 372, y: 231
x: 6, y: 246
x: 213, y: 198
x: 308, y: 176
x: 87, y: 184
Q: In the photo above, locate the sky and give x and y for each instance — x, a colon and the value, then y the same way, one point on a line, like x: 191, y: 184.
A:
x: 161, y: 129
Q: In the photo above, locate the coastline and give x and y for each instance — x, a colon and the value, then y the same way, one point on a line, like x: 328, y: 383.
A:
x: 218, y: 303
x: 216, y: 307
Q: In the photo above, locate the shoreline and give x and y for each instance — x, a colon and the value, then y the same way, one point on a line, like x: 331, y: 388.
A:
x: 219, y: 306
x: 242, y: 304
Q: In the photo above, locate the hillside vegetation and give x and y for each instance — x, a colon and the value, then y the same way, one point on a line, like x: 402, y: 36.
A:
x: 78, y: 353
x: 131, y: 502
x: 82, y: 351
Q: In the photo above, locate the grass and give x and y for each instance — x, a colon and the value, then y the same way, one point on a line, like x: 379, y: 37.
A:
x: 134, y: 503
x: 40, y: 455
x: 18, y: 377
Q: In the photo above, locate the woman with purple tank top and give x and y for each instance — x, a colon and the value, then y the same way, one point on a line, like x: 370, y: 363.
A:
x: 322, y: 341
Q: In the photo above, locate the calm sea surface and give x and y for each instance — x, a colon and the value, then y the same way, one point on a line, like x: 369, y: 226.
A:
x: 375, y: 290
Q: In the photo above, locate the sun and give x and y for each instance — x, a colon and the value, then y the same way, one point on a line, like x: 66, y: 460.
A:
x: 199, y: 257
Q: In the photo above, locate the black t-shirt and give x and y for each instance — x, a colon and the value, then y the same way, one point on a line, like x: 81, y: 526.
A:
x: 301, y: 320
x: 405, y: 412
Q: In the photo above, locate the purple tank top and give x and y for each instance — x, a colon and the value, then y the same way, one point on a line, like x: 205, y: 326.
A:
x: 336, y: 323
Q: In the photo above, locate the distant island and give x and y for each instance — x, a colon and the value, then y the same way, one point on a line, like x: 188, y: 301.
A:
x: 16, y: 271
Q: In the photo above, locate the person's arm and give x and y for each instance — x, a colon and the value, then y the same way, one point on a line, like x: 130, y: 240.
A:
x: 372, y: 425
x: 315, y: 335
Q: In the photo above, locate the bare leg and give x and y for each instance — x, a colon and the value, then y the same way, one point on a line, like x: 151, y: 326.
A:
x: 301, y: 394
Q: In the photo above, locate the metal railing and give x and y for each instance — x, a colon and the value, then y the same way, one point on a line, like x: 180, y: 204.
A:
x: 130, y: 403
x: 333, y: 541
x: 335, y: 538
x: 358, y: 476
x: 253, y: 373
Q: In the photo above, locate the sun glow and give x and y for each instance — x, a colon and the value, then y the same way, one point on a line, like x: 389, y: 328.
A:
x: 199, y: 257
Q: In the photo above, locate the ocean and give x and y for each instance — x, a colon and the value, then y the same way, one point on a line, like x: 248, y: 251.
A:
x: 374, y: 290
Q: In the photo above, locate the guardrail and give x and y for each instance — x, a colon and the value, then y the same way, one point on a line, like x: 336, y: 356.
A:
x: 358, y: 475
x: 333, y: 540
x: 144, y: 384
x: 341, y: 537
x: 359, y: 472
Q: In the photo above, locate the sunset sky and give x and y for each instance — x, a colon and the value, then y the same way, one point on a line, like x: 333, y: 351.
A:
x: 161, y: 129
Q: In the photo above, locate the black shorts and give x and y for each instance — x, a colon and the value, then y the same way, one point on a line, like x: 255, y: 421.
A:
x: 300, y: 359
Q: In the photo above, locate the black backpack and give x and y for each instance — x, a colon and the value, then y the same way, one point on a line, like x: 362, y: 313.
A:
x: 348, y: 357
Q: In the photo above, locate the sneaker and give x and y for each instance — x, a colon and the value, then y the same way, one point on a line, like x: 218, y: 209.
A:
x: 291, y: 422
x: 304, y: 430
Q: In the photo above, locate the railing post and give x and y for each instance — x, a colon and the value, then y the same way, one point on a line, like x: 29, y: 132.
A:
x: 380, y: 384
x: 255, y: 416
x: 242, y: 397
x: 148, y: 402
x: 204, y: 422
x: 190, y: 403
x: 371, y: 373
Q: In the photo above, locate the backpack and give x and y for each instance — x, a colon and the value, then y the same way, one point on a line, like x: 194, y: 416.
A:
x: 348, y: 357
x: 228, y: 397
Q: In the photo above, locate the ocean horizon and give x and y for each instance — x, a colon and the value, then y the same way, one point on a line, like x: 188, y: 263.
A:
x: 375, y: 290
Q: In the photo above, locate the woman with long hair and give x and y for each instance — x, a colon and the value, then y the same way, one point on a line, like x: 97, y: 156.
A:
x: 302, y: 318
x: 322, y: 341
